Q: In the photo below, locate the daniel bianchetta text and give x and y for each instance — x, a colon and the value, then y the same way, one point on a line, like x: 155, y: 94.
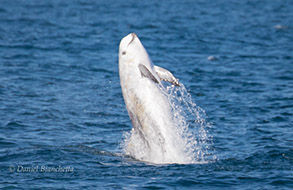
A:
x: 41, y: 168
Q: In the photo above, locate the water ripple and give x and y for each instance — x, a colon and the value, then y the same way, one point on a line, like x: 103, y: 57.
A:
x: 61, y: 102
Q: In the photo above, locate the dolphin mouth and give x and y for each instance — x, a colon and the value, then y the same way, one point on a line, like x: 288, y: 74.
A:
x: 133, y: 38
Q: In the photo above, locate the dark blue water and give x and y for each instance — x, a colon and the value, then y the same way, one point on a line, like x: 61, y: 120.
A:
x: 61, y: 104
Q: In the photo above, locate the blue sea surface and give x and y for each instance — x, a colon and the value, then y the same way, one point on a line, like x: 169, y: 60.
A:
x: 63, y: 117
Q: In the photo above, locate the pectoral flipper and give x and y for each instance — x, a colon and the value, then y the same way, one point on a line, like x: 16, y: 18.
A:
x: 166, y: 75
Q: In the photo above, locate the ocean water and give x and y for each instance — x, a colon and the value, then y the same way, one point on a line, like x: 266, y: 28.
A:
x: 62, y: 115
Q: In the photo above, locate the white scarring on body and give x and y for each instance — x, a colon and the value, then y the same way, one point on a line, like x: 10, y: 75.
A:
x: 160, y: 131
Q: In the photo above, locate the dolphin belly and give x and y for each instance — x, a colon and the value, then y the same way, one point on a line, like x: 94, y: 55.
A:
x: 147, y: 108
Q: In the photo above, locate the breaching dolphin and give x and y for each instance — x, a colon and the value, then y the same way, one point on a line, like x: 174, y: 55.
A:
x: 147, y: 104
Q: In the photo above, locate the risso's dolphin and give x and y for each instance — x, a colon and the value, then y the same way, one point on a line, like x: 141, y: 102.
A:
x: 147, y: 104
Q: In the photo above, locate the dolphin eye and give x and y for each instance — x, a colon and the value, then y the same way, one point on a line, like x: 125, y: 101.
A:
x: 123, y: 52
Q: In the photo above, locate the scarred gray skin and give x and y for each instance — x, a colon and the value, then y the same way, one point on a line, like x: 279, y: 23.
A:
x: 148, y: 107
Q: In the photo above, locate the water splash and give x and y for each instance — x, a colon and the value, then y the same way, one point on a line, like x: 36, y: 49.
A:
x: 184, y: 141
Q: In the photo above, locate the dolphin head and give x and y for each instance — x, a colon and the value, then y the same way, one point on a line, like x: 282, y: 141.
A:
x: 131, y: 51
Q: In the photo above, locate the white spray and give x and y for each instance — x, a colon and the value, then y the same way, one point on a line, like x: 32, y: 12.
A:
x: 187, y: 136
